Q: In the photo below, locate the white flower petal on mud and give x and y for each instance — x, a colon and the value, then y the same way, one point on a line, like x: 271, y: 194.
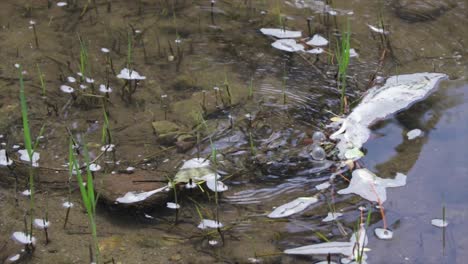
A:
x: 25, y: 157
x: 216, y: 185
x: 105, y: 50
x: 315, y: 51
x: 414, y: 134
x: 191, y: 185
x: 22, y: 238
x: 397, y: 94
x: 289, y: 45
x: 89, y: 80
x: 370, y: 187
x: 94, y: 167
x: 439, y: 223
x: 14, y: 258
x: 196, y: 163
x: 281, y: 33
x: 317, y: 40
x: 207, y: 223
x: 323, y: 186
x: 108, y: 148
x: 71, y: 79
x: 26, y: 192
x: 62, y: 4
x: 67, y: 205
x: 4, y: 160
x: 134, y: 197
x: 331, y: 217
x: 41, y: 223
x: 128, y: 74
x: 377, y: 30
x: 293, y: 207
x: 66, y: 89
x: 353, y: 53
x: 172, y: 205
x: 383, y: 233
x: 104, y: 89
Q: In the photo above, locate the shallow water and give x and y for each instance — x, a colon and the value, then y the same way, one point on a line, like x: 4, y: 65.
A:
x: 226, y: 47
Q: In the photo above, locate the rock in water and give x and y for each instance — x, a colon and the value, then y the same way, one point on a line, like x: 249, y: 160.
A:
x: 421, y: 10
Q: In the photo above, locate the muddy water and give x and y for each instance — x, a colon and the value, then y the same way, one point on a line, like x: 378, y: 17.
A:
x: 219, y: 47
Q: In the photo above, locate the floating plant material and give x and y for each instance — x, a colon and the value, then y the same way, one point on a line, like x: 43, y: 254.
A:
x: 331, y: 217
x: 71, y: 79
x: 26, y: 192
x: 207, y: 223
x: 353, y: 53
x: 4, y: 160
x: 293, y: 207
x: 105, y: 50
x: 377, y: 30
x: 23, y: 238
x: 353, y: 154
x: 398, y: 93
x: 172, y: 205
x: 281, y: 33
x: 415, y: 133
x: 383, y: 233
x: 317, y: 40
x: 25, y: 157
x: 439, y: 223
x: 198, y: 170
x: 289, y: 45
x: 134, y: 197
x: 370, y: 187
x: 41, y: 223
x: 66, y: 89
x: 128, y: 74
x: 352, y: 248
x: 62, y: 4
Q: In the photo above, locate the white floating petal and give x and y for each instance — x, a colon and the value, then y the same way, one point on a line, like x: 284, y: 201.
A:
x: 317, y: 40
x: 108, y: 148
x: 353, y: 53
x: 281, y: 33
x: 67, y: 205
x: 94, y: 167
x: 439, y: 222
x: 414, y: 134
x: 195, y: 163
x: 128, y: 74
x: 41, y: 223
x: 295, y: 206
x: 216, y: 185
x: 377, y: 30
x: 331, y: 217
x: 134, y: 197
x: 71, y: 79
x: 315, y: 51
x: 398, y: 93
x: 191, y: 185
x: 24, y: 156
x: 24, y: 239
x: 370, y: 187
x: 172, y: 205
x: 14, y: 258
x: 323, y: 186
x: 207, y: 223
x: 26, y: 192
x: 89, y: 80
x: 4, y: 160
x: 105, y: 50
x: 383, y: 233
x: 66, y: 89
x: 289, y: 45
x: 105, y: 89
x: 62, y: 4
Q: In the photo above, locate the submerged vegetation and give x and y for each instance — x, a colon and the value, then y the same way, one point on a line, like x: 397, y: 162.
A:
x: 224, y: 111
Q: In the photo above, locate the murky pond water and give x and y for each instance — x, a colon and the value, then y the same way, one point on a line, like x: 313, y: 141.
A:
x: 186, y: 49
